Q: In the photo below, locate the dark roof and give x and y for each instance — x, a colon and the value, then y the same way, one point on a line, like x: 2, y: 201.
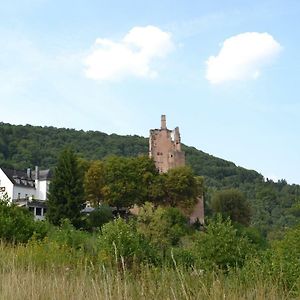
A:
x: 20, y: 178
x: 43, y: 174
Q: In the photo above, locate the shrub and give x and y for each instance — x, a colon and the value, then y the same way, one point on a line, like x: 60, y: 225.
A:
x: 283, y: 258
x: 220, y: 246
x: 121, y: 240
x: 67, y: 235
x: 97, y: 218
x: 18, y: 225
x: 162, y: 226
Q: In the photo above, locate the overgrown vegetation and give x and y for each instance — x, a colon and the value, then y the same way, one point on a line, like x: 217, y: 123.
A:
x: 147, y: 258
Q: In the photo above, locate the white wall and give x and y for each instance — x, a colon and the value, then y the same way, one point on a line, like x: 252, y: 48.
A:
x: 23, y: 192
x: 41, y: 189
x: 5, y: 182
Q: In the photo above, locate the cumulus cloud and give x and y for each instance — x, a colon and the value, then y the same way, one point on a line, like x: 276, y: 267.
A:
x: 242, y: 57
x: 132, y: 55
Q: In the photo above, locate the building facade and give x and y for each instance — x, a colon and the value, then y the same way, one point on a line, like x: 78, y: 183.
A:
x: 26, y: 188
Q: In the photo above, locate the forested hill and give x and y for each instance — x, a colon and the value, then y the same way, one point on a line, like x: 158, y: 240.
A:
x: 274, y: 205
x: 26, y: 146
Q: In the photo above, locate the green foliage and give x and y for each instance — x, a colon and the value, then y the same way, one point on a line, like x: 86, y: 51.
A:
x: 66, y: 196
x: 120, y: 241
x: 180, y: 187
x: 94, y: 183
x: 98, y: 217
x: 220, y: 246
x: 128, y: 181
x: 232, y: 203
x: 120, y: 177
x: 17, y: 224
x: 283, y: 258
x: 254, y: 235
x: 67, y: 235
x: 162, y: 226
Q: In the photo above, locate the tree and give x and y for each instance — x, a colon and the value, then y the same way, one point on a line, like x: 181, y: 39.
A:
x: 120, y: 188
x: 98, y: 217
x: 145, y: 178
x: 180, y: 187
x: 128, y: 181
x: 66, y: 195
x: 94, y: 183
x: 232, y: 203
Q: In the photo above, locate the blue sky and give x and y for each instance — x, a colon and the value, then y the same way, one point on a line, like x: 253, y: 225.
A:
x: 225, y: 72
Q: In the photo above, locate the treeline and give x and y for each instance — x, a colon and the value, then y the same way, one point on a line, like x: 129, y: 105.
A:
x: 119, y: 182
x: 274, y: 205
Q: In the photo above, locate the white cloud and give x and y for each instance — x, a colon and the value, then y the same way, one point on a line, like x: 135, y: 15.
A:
x: 241, y: 57
x: 132, y: 55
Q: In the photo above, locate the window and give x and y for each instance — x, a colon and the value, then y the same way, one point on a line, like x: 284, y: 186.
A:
x: 38, y: 211
x: 19, y: 196
x: 45, y: 211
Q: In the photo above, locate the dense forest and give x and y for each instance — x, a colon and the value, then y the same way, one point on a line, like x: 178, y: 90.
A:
x: 274, y: 205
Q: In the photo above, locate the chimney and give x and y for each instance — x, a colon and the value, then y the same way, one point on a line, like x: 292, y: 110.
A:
x: 36, y: 173
x: 163, y: 122
x: 28, y: 173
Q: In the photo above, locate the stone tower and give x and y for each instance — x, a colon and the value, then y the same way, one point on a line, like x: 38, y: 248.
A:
x: 165, y: 147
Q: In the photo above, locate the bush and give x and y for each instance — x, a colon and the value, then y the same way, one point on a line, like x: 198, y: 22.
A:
x: 220, y: 246
x: 67, y: 235
x: 120, y: 240
x: 97, y: 218
x: 283, y: 258
x: 17, y: 224
x: 162, y: 226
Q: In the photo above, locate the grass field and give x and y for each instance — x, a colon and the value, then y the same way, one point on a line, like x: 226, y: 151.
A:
x: 23, y: 276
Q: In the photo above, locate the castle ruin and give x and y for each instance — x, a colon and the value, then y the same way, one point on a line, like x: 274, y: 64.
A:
x: 165, y: 147
x: 165, y: 150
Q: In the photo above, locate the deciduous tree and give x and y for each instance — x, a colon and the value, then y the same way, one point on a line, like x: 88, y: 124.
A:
x: 232, y: 203
x: 94, y: 183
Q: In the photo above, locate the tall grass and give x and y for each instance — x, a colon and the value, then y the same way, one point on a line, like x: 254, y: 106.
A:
x: 34, y: 271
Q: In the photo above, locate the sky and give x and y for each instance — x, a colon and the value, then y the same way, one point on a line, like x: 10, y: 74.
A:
x: 225, y: 72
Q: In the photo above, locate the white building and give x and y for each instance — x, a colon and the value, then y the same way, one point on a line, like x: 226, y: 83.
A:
x: 27, y: 189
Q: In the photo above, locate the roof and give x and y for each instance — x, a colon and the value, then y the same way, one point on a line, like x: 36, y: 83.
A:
x: 20, y: 178
x: 43, y: 174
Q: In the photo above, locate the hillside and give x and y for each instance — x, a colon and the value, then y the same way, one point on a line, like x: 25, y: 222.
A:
x: 26, y: 146
x: 274, y: 205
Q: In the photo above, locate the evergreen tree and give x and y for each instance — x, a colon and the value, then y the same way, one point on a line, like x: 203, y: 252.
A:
x: 66, y: 194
